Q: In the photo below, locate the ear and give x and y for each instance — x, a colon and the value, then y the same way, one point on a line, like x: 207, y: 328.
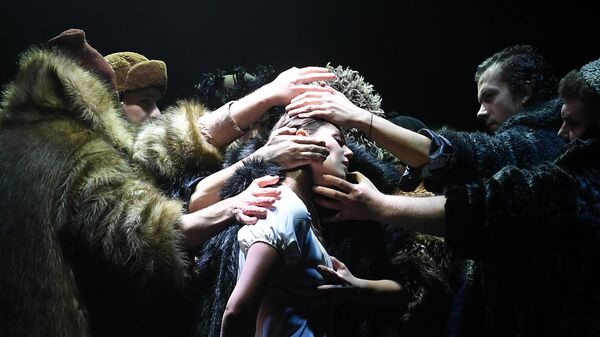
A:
x: 528, y: 93
x: 301, y: 132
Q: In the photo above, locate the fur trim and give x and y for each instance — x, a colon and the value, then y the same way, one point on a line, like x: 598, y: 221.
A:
x: 173, y: 144
x: 542, y: 115
x: 55, y: 85
x: 212, y: 90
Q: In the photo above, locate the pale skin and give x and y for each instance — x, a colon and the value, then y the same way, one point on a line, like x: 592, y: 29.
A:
x: 363, y: 201
x: 140, y: 105
x: 246, y: 207
x: 575, y: 120
x: 286, y: 148
x: 263, y: 260
x: 497, y: 105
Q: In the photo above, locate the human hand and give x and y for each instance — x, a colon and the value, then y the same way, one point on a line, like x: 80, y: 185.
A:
x: 341, y: 284
x: 256, y: 200
x: 358, y: 201
x: 293, y: 82
x: 291, y: 151
x: 332, y: 106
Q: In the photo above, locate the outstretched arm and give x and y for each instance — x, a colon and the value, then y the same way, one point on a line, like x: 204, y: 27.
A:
x: 362, y: 201
x: 246, y: 207
x: 408, y: 146
x: 228, y: 122
x: 284, y: 148
x: 345, y: 287
x: 242, y: 308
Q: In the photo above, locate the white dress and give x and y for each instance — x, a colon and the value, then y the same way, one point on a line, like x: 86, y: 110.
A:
x: 287, y: 309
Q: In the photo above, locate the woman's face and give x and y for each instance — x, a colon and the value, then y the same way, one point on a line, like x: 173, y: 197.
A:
x: 336, y: 163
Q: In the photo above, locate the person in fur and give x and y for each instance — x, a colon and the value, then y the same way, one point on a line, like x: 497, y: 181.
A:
x: 372, y: 251
x: 141, y: 83
x: 517, y: 91
x: 534, y: 231
x: 89, y: 245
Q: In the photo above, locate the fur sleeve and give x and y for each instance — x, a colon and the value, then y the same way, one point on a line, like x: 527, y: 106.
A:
x: 481, y: 155
x: 429, y: 274
x: 173, y: 143
x: 123, y: 221
x: 512, y: 212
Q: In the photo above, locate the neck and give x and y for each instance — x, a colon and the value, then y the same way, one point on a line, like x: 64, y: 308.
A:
x: 300, y: 181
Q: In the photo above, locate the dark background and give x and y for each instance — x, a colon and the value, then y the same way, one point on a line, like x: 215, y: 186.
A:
x: 419, y: 55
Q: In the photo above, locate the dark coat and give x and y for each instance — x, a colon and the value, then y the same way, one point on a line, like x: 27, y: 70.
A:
x: 524, y: 140
x: 88, y: 244
x: 536, y: 233
x: 370, y: 250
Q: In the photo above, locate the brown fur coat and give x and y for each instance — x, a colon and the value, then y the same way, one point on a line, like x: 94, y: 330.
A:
x: 88, y: 245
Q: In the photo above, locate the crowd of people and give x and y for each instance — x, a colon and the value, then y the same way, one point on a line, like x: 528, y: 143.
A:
x: 291, y: 204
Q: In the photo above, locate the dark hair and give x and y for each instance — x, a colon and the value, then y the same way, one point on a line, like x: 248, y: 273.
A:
x: 522, y: 67
x: 574, y: 86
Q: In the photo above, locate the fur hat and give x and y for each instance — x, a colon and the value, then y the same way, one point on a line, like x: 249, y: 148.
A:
x: 134, y: 71
x: 591, y: 74
x: 73, y: 42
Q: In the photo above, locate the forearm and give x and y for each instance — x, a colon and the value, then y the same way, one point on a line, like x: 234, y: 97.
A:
x: 383, y: 293
x: 207, y: 190
x: 238, y: 324
x: 225, y: 124
x: 201, y: 225
x: 419, y: 214
x: 408, y: 146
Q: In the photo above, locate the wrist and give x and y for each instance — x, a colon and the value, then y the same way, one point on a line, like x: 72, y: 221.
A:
x: 362, y: 120
x: 267, y: 95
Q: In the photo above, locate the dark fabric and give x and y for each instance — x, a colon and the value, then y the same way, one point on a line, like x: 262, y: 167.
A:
x: 536, y: 234
x: 370, y: 250
x: 524, y: 140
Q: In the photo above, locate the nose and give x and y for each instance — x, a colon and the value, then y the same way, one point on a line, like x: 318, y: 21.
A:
x: 564, y: 132
x: 482, y: 113
x: 155, y: 112
x: 348, y: 153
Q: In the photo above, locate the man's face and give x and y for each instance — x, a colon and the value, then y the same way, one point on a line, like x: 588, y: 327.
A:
x: 575, y: 120
x: 497, y: 102
x: 140, y: 105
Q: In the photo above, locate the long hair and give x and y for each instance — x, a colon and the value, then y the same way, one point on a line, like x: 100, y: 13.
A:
x: 303, y: 176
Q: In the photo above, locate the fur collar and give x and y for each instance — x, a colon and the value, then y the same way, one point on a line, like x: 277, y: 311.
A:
x: 49, y: 85
x: 545, y: 114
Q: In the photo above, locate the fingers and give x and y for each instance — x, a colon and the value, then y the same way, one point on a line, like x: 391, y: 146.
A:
x: 263, y: 201
x: 329, y: 204
x: 255, y: 211
x: 307, y: 94
x: 338, y: 217
x: 312, y: 69
x: 267, y: 192
x: 284, y: 131
x: 245, y: 219
x: 315, y: 113
x: 311, y: 87
x: 266, y: 181
x: 329, y: 193
x: 305, y: 97
x: 320, y: 144
x: 358, y: 177
x: 335, y: 262
x: 312, y: 77
x: 341, y: 184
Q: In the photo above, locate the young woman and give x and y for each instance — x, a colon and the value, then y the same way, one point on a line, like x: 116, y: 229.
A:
x: 279, y: 255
